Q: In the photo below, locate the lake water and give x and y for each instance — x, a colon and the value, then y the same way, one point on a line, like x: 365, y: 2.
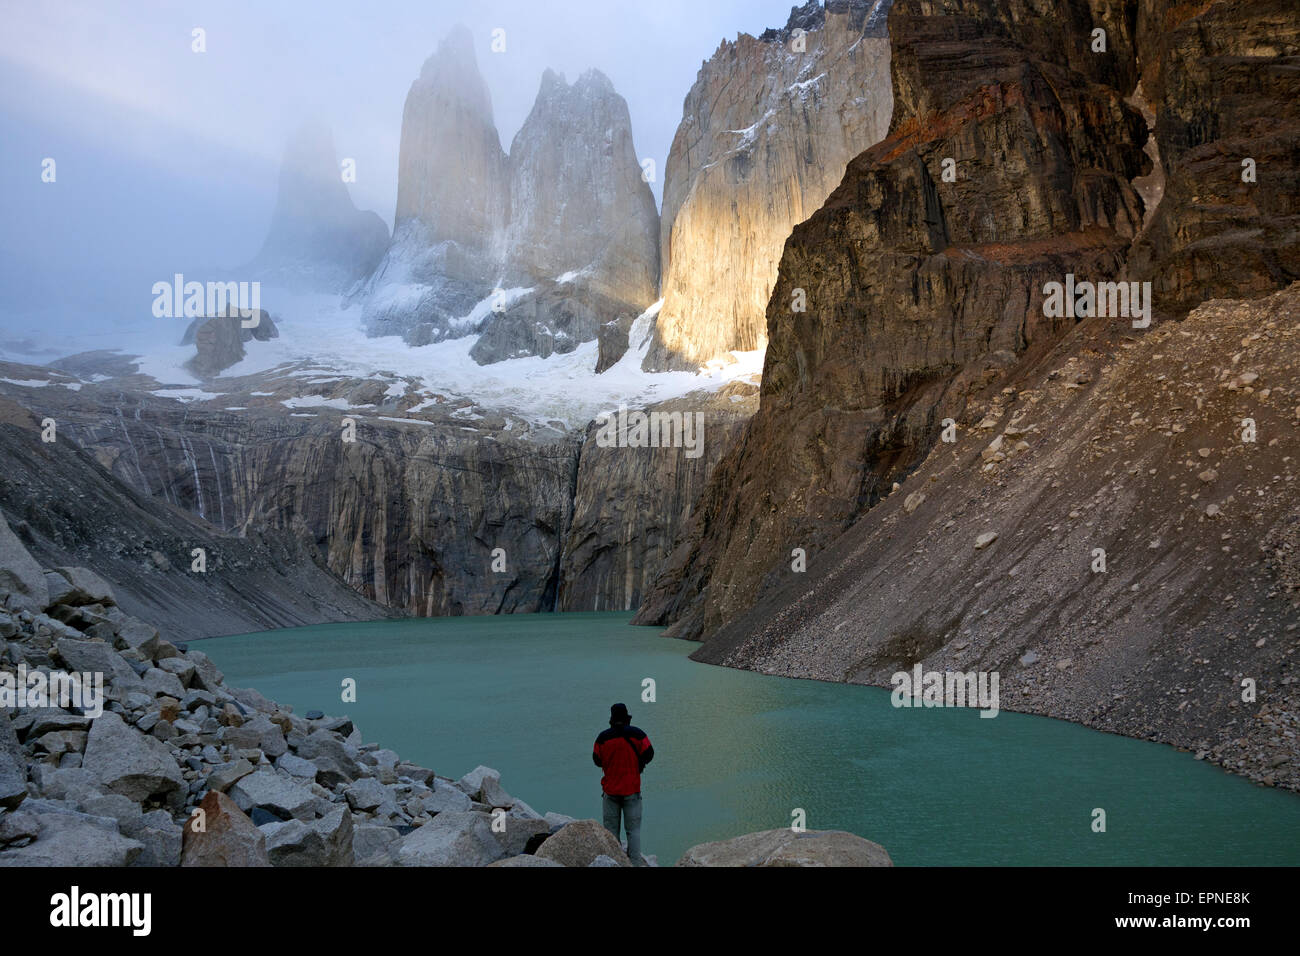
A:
x: 738, y: 751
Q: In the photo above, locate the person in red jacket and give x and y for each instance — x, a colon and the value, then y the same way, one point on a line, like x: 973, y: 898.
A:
x: 623, y: 752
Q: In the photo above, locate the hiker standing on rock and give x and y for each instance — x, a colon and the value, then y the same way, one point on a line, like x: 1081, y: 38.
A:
x: 623, y: 752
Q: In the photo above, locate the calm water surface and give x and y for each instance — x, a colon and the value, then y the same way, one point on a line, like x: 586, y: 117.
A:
x: 738, y: 751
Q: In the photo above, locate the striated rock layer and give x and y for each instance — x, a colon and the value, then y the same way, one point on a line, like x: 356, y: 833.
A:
x: 1225, y: 81
x: 632, y: 504
x: 410, y: 515
x: 766, y: 132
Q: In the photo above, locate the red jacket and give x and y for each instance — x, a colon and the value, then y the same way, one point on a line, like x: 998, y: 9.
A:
x: 622, y: 752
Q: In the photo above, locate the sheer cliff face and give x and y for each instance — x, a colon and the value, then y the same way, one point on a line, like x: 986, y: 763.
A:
x: 452, y: 174
x: 453, y: 201
x: 583, y: 225
x: 766, y: 133
x: 923, y: 292
x: 919, y: 290
x: 318, y: 239
x: 579, y: 202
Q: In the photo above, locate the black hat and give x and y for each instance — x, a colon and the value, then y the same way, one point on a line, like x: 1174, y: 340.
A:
x: 618, y: 714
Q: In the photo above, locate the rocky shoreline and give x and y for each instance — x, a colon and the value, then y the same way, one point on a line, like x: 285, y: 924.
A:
x: 163, y: 764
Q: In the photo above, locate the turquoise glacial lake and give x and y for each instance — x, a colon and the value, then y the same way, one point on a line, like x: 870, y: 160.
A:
x: 738, y: 751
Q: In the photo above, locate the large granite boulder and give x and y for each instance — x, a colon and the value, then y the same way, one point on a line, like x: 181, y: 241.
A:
x: 70, y: 838
x: 452, y: 839
x: 228, y: 837
x: 323, y: 842
x: 784, y: 847
x: 79, y: 587
x: 277, y: 794
x: 122, y: 760
x: 578, y: 844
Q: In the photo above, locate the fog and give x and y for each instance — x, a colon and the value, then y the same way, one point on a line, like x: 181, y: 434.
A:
x: 166, y: 159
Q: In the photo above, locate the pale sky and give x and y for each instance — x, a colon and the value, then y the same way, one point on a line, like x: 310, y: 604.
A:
x: 167, y: 159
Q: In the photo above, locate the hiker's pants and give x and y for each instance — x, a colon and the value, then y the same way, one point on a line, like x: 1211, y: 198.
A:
x: 629, y: 807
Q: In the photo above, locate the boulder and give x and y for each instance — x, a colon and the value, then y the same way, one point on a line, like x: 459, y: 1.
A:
x: 74, y: 839
x: 333, y: 763
x: 87, y: 587
x: 65, y: 783
x: 97, y: 657
x: 375, y: 845
x: 181, y: 667
x: 367, y: 794
x: 139, y: 635
x: 228, y: 838
x: 22, y: 582
x: 160, y: 683
x: 122, y: 760
x: 525, y: 860
x: 786, y: 848
x: 46, y: 719
x: 519, y: 833
x: 296, y: 766
x: 494, y: 795
x: 18, y: 829
x: 445, y: 798
x: 472, y: 782
x: 155, y: 831
x: 270, y: 738
x: 323, y: 842
x: 579, y: 843
x: 274, y: 793
x: 227, y: 775
x: 13, y: 766
x: 206, y: 674
x: 451, y: 839
x: 162, y: 840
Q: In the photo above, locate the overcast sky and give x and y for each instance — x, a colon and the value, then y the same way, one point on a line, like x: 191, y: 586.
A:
x: 167, y: 159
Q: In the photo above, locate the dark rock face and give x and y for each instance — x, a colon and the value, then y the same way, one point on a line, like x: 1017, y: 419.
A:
x: 632, y: 504
x: 919, y: 290
x: 318, y: 240
x: 556, y: 317
x: 613, y: 342
x: 220, y: 340
x: 1224, y: 79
